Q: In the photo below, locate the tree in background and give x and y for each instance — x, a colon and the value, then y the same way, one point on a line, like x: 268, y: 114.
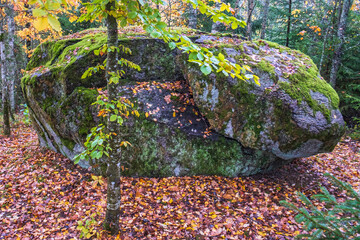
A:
x: 22, y: 27
x: 336, y: 61
x: 8, y: 64
x: 264, y: 19
x: 250, y: 10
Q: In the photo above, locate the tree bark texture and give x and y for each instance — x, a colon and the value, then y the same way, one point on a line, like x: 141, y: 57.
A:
x: 11, y: 56
x: 264, y: 20
x: 192, y: 17
x: 288, y: 24
x: 113, y: 163
x: 8, y: 67
x: 216, y: 25
x: 251, y: 6
x: 240, y: 6
x: 341, y: 39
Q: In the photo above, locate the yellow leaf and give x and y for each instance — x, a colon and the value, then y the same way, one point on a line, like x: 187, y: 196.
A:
x: 223, y: 7
x: 41, y: 23
x: 73, y: 18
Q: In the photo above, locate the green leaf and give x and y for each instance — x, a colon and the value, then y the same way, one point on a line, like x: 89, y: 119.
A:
x: 205, y: 69
x: 161, y: 25
x: 193, y: 56
x: 155, y: 34
x: 123, y: 22
x: 172, y: 45
x: 38, y: 12
x: 54, y: 23
x: 132, y: 14
x: 120, y: 120
x: 113, y: 118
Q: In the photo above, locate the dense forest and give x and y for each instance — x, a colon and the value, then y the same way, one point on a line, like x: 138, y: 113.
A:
x: 149, y: 98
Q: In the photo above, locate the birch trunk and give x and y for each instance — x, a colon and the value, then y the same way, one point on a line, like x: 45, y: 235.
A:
x: 341, y: 38
x: 8, y: 65
x: 11, y: 56
x: 4, y: 89
x: 264, y: 20
x: 113, y: 163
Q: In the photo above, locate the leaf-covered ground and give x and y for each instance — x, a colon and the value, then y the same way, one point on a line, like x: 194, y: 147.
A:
x: 43, y: 196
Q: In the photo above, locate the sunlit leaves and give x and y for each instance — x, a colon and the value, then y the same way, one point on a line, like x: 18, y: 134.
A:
x: 205, y: 69
x: 44, y: 14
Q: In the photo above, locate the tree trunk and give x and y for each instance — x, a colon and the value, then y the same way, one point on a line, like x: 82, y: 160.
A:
x: 192, y: 17
x: 251, y: 7
x: 341, y: 38
x: 7, y: 66
x: 264, y: 20
x: 113, y: 163
x: 216, y: 25
x: 4, y: 95
x: 327, y: 21
x: 239, y: 5
x: 323, y: 49
x: 288, y: 25
x: 11, y: 57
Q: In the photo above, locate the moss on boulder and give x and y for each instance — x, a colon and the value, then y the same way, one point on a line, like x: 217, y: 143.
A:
x: 195, y: 124
x: 293, y: 113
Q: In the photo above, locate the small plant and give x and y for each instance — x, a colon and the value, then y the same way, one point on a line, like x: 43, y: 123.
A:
x: 355, y: 131
x: 338, y: 219
x: 87, y: 228
x: 25, y: 112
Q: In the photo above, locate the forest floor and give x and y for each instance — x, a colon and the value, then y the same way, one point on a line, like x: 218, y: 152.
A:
x: 44, y: 196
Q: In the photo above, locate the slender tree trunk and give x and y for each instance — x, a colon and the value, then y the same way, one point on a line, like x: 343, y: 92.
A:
x: 170, y: 13
x: 28, y: 25
x: 251, y: 6
x: 239, y: 5
x: 264, y: 20
x: 113, y: 163
x: 11, y: 57
x: 8, y: 65
x: 323, y: 49
x: 192, y: 17
x: 341, y: 36
x: 216, y: 25
x: 4, y: 95
x: 289, y: 24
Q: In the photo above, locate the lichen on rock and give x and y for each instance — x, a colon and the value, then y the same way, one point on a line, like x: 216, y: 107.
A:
x: 195, y: 124
x: 292, y: 107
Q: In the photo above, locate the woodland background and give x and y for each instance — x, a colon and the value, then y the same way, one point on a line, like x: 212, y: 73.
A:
x: 326, y: 30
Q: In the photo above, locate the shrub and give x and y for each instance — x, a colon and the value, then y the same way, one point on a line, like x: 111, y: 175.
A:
x: 338, y: 219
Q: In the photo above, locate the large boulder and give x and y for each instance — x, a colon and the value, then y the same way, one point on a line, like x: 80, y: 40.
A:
x: 293, y: 113
x: 189, y: 124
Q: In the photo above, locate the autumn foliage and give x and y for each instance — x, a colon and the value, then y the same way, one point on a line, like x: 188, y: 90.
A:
x: 44, y: 195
